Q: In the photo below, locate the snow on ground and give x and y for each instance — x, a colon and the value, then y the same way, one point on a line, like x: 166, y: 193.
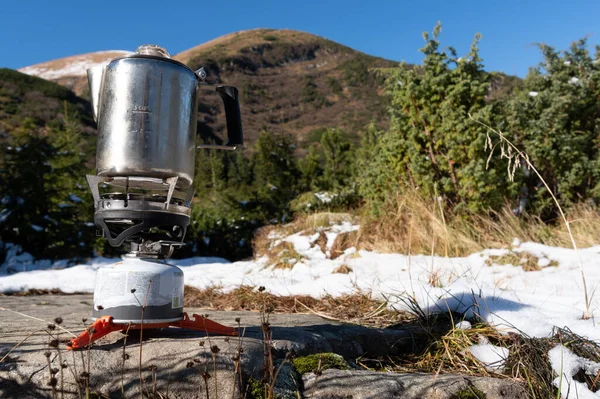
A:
x: 566, y: 365
x: 492, y: 357
x: 72, y: 66
x: 504, y: 295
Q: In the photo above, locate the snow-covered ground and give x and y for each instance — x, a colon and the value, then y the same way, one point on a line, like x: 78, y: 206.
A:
x: 505, y: 295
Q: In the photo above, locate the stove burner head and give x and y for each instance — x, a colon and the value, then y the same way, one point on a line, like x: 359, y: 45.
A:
x: 151, y: 214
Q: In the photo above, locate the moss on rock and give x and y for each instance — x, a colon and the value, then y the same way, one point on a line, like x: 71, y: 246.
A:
x: 470, y: 392
x: 310, y: 363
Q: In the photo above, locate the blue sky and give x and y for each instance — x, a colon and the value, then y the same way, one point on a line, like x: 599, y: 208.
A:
x: 35, y: 31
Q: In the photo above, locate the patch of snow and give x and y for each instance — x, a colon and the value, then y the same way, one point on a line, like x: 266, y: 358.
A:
x: 325, y: 197
x: 565, y: 365
x: 350, y: 251
x: 492, y: 357
x: 502, y: 295
x: 574, y: 80
x: 544, y: 262
x: 463, y: 325
x: 515, y: 243
x: 198, y: 260
x: 533, y: 94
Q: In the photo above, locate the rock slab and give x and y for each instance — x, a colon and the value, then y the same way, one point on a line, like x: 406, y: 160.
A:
x: 177, y: 363
x: 357, y: 384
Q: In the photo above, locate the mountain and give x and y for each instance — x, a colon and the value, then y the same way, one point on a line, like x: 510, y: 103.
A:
x: 71, y: 71
x: 290, y: 82
x: 35, y: 104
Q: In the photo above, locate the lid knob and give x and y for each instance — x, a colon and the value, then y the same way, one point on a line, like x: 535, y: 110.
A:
x: 153, y: 49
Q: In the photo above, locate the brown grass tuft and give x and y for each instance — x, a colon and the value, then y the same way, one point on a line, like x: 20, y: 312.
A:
x: 321, y: 219
x: 435, y: 278
x: 356, y: 308
x: 342, y: 242
x: 411, y: 224
x: 321, y: 242
x: 343, y: 269
x: 526, y: 260
x: 284, y: 256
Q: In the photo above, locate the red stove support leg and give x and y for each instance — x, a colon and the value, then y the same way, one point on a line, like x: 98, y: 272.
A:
x: 201, y: 323
x: 105, y: 325
x: 101, y: 327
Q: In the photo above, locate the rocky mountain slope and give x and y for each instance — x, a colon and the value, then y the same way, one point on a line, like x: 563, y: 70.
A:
x: 290, y: 82
x: 29, y: 104
x: 71, y: 71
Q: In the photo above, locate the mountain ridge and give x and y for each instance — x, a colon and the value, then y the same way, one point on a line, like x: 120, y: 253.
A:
x: 290, y: 82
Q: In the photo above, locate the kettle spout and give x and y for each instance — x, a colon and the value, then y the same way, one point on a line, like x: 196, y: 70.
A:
x: 95, y: 75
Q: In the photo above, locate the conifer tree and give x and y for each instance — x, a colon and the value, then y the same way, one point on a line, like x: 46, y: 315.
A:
x: 45, y: 207
x: 337, y: 151
x: 310, y: 169
x: 275, y: 170
x: 555, y: 119
x: 432, y: 144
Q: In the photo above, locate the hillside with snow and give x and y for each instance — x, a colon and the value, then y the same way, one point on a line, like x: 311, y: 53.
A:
x: 76, y: 65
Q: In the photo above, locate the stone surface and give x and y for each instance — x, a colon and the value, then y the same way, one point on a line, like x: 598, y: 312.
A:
x: 357, y: 384
x: 25, y: 372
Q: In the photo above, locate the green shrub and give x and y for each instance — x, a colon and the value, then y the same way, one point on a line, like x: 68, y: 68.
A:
x: 432, y: 145
x: 334, y: 85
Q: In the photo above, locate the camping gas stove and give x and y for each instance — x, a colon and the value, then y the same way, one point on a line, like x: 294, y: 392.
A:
x: 145, y: 106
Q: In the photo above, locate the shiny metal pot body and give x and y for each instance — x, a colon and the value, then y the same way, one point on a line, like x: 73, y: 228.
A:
x: 147, y: 119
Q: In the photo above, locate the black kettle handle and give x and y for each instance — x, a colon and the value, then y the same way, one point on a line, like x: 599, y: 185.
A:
x: 230, y: 97
x: 231, y: 103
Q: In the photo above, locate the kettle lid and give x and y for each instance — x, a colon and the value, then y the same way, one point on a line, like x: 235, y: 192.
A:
x: 154, y: 50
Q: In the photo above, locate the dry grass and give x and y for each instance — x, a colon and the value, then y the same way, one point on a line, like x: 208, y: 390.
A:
x: 356, y: 308
x: 315, y: 221
x: 526, y: 260
x: 435, y: 278
x: 284, y: 256
x: 263, y: 239
x: 262, y: 242
x: 440, y: 347
x: 321, y: 242
x: 450, y: 353
x: 342, y: 242
x: 414, y: 225
x: 343, y: 269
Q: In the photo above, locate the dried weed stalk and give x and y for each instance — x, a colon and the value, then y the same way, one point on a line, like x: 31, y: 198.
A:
x: 515, y: 158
